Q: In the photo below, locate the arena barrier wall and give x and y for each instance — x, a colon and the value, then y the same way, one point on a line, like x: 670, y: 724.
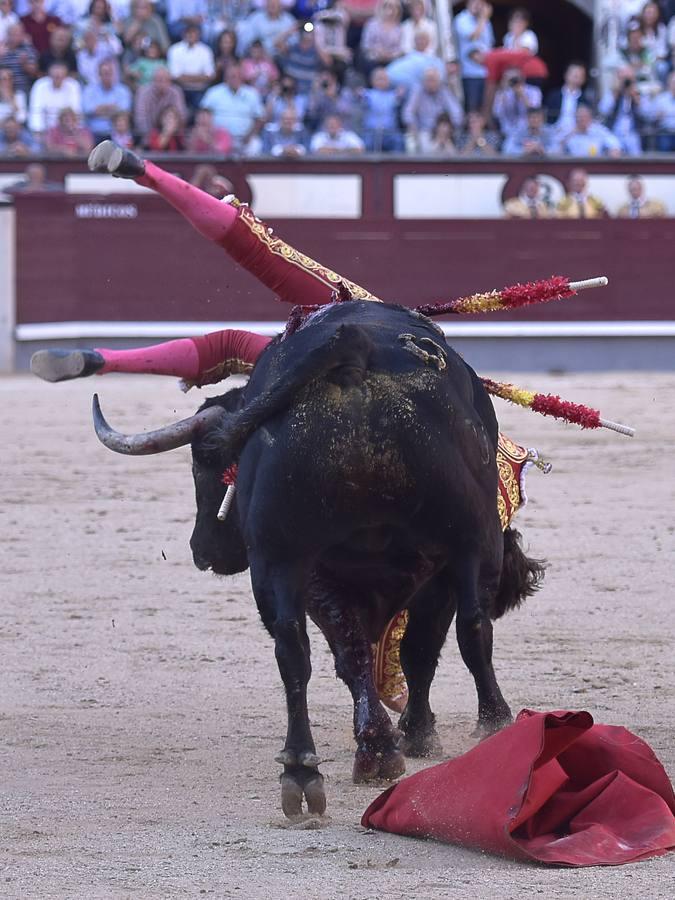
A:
x: 107, y: 262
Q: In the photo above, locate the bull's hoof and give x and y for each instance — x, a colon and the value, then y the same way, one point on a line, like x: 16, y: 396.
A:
x: 370, y: 765
x: 298, y: 783
x: 489, y: 725
x: 423, y: 745
x: 110, y: 157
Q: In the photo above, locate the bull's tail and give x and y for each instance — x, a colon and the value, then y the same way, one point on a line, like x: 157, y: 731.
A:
x: 521, y: 576
x: 343, y: 358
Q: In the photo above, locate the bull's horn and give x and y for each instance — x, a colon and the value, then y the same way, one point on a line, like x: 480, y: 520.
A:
x: 168, y: 438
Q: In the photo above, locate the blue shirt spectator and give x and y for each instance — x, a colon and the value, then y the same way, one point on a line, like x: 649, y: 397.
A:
x: 104, y: 99
x: 589, y: 138
x: 235, y: 106
x: 181, y: 13
x: 285, y: 138
x: 267, y: 26
x: 474, y: 38
x: 532, y: 138
x: 408, y: 70
x: 380, y: 116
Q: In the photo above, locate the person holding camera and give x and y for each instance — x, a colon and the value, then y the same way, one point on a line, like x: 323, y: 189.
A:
x: 512, y: 101
x: 623, y: 111
x: 475, y: 38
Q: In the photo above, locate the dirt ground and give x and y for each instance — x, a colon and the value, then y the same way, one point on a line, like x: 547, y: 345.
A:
x: 141, y: 704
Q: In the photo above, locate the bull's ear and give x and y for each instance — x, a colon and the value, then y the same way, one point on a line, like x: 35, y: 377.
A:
x: 170, y: 437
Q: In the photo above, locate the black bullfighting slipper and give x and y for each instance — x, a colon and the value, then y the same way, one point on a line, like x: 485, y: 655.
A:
x: 62, y: 365
x: 109, y: 157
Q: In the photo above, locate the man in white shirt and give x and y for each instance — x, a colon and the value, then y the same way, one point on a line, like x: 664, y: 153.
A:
x: 237, y: 108
x: 265, y: 26
x: 51, y: 94
x: 191, y: 65
x: 7, y: 17
x: 334, y: 139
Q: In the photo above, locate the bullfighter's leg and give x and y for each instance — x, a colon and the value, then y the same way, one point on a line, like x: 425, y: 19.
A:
x: 429, y: 617
x: 291, y: 275
x: 377, y: 752
x: 474, y: 636
x: 279, y: 593
x: 205, y: 359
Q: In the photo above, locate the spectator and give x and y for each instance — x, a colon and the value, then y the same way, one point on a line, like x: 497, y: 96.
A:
x: 144, y: 21
x: 638, y: 206
x: 359, y: 11
x: 662, y: 112
x: 167, y: 136
x: 19, y: 57
x: 441, y: 141
x: 577, y: 202
x: 152, y: 99
x: 265, y: 25
x: 637, y: 56
x: 51, y: 94
x: 207, y: 179
x: 330, y: 30
x: 529, y: 204
x: 206, y: 138
x: 89, y: 58
x: 258, y: 70
x: 426, y: 103
x: 7, y: 18
x: 38, y: 24
x: 141, y: 69
x: 60, y: 50
x: 237, y: 108
x: 513, y: 100
x: 99, y: 19
x: 623, y: 109
x: 286, y: 138
x: 104, y: 99
x: 474, y: 38
x: 589, y: 138
x: 533, y: 138
x: 34, y: 181
x: 655, y: 37
x: 327, y: 99
x: 226, y: 52
x: 12, y: 103
x: 15, y: 140
x: 182, y: 14
x: 120, y: 130
x: 477, y: 140
x: 192, y: 65
x: 283, y: 95
x: 381, y: 110
x: 520, y: 36
x: 561, y: 103
x: 335, y: 139
x: 382, y: 35
x: 68, y: 137
x: 299, y: 58
x: 417, y: 22
x: 407, y: 71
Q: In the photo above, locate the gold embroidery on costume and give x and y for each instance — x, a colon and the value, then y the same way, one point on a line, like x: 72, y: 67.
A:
x: 389, y: 677
x: 293, y: 256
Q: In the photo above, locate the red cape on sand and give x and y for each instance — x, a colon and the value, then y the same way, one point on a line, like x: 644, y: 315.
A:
x: 552, y: 788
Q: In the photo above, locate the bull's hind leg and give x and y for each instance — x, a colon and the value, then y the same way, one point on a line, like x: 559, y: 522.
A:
x: 377, y: 752
x: 430, y: 615
x: 279, y: 593
x: 474, y: 636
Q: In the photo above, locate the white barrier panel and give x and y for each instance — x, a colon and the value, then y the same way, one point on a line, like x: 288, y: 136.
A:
x: 306, y: 196
x: 7, y: 288
x: 448, y: 196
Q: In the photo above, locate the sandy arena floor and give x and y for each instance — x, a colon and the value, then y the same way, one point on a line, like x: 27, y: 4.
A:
x: 141, y: 704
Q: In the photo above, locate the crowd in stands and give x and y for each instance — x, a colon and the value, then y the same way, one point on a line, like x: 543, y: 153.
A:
x: 291, y: 78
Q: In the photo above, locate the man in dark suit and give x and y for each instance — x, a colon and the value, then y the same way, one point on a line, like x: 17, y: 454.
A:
x: 561, y: 103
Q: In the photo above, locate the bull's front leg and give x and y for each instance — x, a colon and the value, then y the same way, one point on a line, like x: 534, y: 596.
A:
x: 280, y: 597
x: 378, y: 755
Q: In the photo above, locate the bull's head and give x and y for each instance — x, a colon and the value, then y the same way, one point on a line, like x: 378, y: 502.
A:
x: 215, y: 545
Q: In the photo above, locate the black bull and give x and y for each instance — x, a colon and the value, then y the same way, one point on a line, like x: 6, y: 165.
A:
x: 366, y: 484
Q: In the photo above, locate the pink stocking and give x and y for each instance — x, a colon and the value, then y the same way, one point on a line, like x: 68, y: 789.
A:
x: 179, y: 358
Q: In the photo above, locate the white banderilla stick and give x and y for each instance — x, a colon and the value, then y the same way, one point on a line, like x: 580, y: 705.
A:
x: 227, y: 503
